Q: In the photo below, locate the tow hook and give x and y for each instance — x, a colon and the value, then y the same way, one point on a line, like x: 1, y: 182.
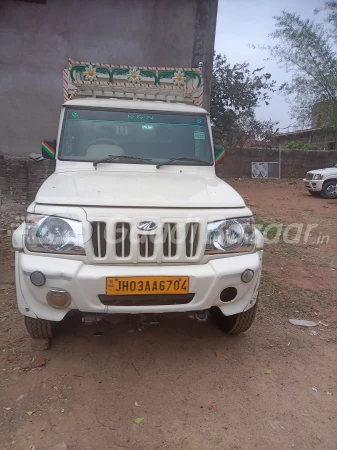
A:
x: 90, y: 319
x: 201, y: 316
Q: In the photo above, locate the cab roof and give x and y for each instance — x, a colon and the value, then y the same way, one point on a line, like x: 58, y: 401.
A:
x: 140, y: 105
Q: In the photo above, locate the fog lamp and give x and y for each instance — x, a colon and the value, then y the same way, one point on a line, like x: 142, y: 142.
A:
x: 58, y: 299
x: 247, y: 276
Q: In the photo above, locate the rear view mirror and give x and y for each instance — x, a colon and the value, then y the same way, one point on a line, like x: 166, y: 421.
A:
x: 48, y: 148
x: 219, y: 151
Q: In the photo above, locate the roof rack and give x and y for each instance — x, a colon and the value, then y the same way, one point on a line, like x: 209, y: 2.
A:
x: 87, y: 79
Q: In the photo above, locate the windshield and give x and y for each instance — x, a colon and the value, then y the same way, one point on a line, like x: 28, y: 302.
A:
x: 91, y: 135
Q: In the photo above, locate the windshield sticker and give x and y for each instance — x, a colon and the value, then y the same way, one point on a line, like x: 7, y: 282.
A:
x: 199, y: 135
x: 139, y: 117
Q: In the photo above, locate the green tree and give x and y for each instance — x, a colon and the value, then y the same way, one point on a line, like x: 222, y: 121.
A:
x: 307, y: 50
x: 247, y: 127
x: 331, y: 15
x: 236, y: 92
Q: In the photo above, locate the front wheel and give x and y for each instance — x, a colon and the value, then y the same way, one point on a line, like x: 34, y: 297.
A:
x: 330, y: 189
x: 315, y: 193
x: 40, y: 328
x: 236, y: 324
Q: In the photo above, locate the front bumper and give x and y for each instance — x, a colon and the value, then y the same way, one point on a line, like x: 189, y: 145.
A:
x: 313, y: 185
x: 84, y: 282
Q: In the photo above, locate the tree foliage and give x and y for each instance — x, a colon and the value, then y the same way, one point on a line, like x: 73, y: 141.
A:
x: 307, y: 50
x: 294, y: 145
x: 247, y: 127
x: 331, y: 16
x: 236, y: 92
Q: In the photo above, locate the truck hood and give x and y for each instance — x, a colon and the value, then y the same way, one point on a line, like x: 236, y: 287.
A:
x: 324, y: 171
x: 138, y: 189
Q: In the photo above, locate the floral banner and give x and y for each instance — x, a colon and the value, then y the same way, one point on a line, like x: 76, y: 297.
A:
x: 91, y: 73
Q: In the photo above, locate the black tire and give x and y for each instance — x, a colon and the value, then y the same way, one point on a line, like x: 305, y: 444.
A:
x: 316, y: 193
x: 39, y: 328
x: 236, y: 324
x: 327, y: 191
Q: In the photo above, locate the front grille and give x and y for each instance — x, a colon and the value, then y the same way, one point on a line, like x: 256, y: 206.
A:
x: 309, y: 176
x: 99, y: 239
x: 146, y: 300
x: 122, y: 242
x: 192, y: 237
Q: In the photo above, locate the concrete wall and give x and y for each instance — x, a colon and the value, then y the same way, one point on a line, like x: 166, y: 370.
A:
x: 36, y: 41
x: 294, y: 163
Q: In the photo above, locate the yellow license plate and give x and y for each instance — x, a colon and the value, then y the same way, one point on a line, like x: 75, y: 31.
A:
x: 146, y: 285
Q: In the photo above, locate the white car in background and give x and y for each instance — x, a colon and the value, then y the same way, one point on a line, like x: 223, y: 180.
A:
x: 322, y: 182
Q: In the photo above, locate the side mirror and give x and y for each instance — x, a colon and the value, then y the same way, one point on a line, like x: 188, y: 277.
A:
x: 48, y: 148
x: 219, y: 151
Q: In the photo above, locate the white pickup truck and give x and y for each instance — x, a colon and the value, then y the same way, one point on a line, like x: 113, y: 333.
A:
x: 134, y: 219
x: 322, y: 182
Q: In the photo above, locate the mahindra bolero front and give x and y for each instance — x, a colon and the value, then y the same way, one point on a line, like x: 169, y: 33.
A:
x: 134, y: 220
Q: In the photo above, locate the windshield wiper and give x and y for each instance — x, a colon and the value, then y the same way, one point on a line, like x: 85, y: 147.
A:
x: 183, y: 158
x: 111, y: 158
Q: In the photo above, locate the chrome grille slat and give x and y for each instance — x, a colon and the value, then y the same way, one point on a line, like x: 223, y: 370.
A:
x: 169, y: 240
x: 123, y: 239
x: 99, y: 241
x: 191, y: 240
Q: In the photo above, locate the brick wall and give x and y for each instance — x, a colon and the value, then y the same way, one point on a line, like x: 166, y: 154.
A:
x: 20, y: 178
x: 13, y: 172
x: 37, y: 172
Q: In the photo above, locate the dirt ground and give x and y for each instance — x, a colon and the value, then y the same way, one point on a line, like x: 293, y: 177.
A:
x: 99, y: 379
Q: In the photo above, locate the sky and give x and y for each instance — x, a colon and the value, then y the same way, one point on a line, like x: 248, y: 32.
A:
x: 244, y: 22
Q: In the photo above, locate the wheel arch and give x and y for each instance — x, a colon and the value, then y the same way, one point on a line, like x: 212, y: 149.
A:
x: 328, y: 180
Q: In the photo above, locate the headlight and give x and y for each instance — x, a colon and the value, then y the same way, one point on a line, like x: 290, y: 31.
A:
x: 230, y: 236
x: 318, y: 177
x: 53, y: 234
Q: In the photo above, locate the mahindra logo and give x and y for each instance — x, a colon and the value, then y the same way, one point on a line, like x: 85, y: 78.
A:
x: 147, y: 225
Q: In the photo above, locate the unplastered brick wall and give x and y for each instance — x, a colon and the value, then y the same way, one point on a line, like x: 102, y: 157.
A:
x: 13, y: 173
x: 37, y: 173
x: 20, y: 178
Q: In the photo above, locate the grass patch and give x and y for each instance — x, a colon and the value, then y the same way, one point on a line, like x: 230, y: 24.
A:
x: 270, y: 230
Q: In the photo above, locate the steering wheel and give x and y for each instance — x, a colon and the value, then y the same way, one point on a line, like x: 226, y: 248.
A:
x: 103, y: 141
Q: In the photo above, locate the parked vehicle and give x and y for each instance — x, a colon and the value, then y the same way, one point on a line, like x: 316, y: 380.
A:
x: 134, y: 219
x: 322, y: 182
